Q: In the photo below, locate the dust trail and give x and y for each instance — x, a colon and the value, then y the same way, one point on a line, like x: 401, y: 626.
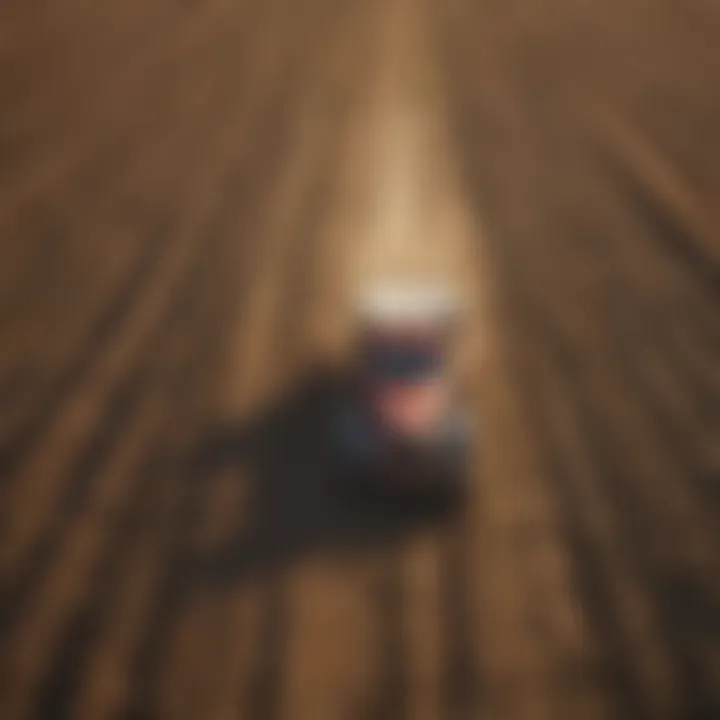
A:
x: 411, y: 218
x: 414, y: 214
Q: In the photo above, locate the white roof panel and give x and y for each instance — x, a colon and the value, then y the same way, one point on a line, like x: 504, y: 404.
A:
x: 408, y: 302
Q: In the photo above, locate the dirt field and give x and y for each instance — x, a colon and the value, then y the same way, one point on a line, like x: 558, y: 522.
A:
x: 190, y: 193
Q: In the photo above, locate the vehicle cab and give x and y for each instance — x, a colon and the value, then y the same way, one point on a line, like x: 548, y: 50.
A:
x: 403, y: 424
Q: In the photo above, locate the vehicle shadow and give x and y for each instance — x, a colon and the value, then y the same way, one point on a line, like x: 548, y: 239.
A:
x: 299, y: 504
x: 292, y: 511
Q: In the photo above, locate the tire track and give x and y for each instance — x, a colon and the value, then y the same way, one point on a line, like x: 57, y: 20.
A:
x: 633, y: 664
x: 102, y: 187
x: 119, y: 107
x: 109, y: 31
x: 138, y: 525
x: 263, y: 696
x: 392, y: 682
x: 525, y: 632
x: 654, y: 184
x: 265, y: 702
x: 424, y: 623
x: 461, y: 687
x: 613, y: 401
x: 28, y: 647
x: 569, y: 648
x: 649, y: 489
x: 108, y: 370
x: 20, y: 443
x: 649, y: 458
x: 672, y: 592
x: 131, y: 386
x: 277, y: 687
x: 155, y: 643
x: 572, y: 316
x: 121, y: 306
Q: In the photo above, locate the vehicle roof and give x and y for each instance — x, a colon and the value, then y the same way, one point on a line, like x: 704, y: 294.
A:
x: 408, y: 303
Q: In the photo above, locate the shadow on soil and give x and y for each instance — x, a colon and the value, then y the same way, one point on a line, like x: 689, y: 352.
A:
x: 299, y: 502
x: 295, y: 512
